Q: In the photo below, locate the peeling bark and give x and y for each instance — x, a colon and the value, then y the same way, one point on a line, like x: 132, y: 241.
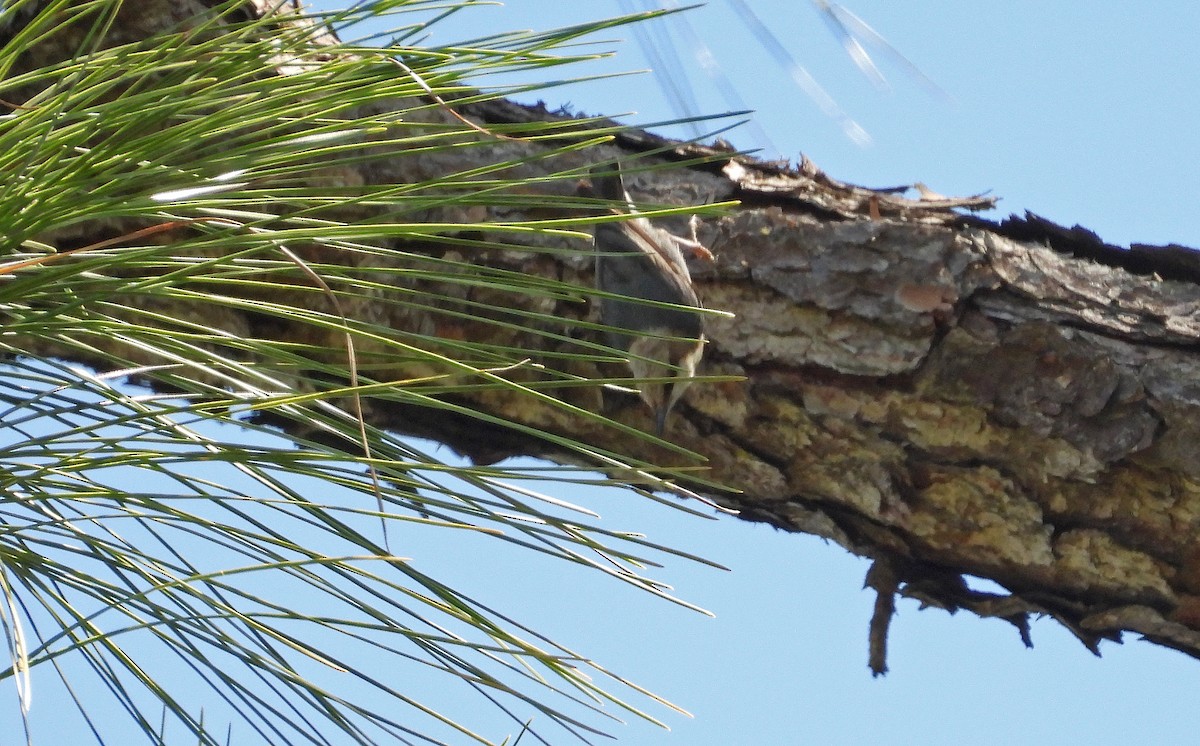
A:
x: 1015, y: 401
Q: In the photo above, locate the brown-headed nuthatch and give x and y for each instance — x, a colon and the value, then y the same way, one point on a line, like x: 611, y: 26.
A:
x: 635, y: 259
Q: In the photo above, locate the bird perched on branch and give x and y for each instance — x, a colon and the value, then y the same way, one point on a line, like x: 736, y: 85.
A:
x: 640, y: 261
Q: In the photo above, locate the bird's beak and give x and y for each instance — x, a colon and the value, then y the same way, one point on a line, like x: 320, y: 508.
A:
x: 660, y: 419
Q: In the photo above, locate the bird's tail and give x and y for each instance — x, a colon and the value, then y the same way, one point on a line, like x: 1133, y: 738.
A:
x: 607, y: 182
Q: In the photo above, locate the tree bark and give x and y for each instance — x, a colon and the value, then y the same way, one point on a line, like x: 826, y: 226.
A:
x: 949, y: 396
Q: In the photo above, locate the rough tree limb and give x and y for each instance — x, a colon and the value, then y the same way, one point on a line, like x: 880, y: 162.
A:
x: 945, y: 395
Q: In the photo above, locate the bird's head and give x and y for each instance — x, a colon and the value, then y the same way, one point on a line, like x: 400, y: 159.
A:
x: 662, y: 358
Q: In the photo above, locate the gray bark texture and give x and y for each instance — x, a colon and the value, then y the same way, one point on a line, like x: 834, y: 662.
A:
x: 946, y: 395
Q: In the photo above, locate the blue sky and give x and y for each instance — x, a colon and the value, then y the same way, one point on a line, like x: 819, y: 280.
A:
x: 1082, y: 112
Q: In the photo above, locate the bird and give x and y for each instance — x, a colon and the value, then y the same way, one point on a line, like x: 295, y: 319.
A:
x: 637, y: 260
